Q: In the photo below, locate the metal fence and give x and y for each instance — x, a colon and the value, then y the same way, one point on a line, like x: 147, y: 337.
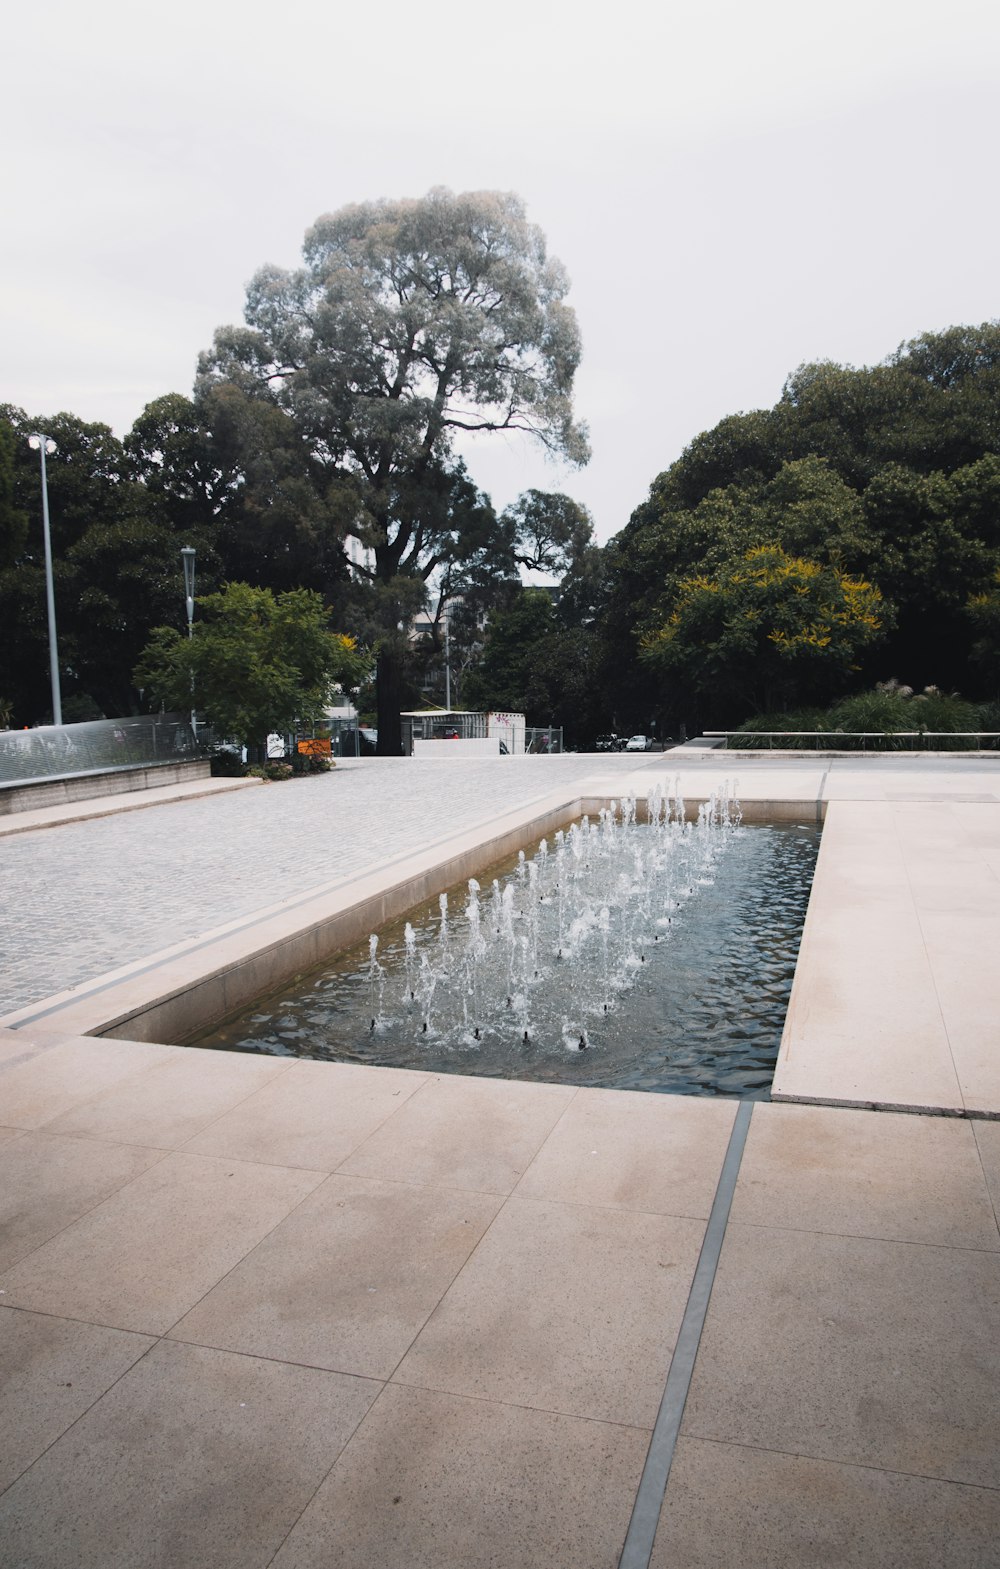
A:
x: 858, y: 740
x: 99, y: 746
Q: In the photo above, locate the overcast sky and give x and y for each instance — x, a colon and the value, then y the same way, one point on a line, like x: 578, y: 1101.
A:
x: 734, y: 188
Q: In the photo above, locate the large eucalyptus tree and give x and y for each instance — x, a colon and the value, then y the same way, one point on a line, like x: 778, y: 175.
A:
x: 410, y: 323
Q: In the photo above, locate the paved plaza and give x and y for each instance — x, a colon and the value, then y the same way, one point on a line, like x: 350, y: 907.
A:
x: 256, y: 1311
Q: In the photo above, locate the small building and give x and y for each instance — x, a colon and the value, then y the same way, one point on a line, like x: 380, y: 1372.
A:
x: 442, y: 732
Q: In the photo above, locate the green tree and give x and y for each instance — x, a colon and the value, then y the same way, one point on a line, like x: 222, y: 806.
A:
x: 256, y: 661
x: 411, y: 323
x: 235, y: 477
x: 984, y: 613
x: 766, y: 631
x: 891, y: 473
x: 533, y: 662
x: 479, y: 573
x: 13, y: 518
x: 116, y: 571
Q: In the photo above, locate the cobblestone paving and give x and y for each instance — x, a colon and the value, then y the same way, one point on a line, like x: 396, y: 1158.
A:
x: 83, y: 898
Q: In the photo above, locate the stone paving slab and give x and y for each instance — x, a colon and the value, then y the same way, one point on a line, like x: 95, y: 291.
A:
x: 896, y: 995
x: 408, y: 1371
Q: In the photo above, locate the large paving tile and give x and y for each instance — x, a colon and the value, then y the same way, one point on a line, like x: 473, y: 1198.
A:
x: 174, y: 1100
x: 866, y: 1174
x: 47, y: 1182
x: 842, y: 1348
x: 632, y: 1151
x: 313, y: 1115
x: 50, y: 1074
x: 51, y: 1371
x: 864, y: 1023
x: 987, y: 1135
x: 151, y: 1250
x: 195, y: 1458
x: 958, y: 942
x: 563, y: 1307
x: 729, y: 1508
x: 348, y: 1280
x: 463, y: 1132
x: 431, y: 1480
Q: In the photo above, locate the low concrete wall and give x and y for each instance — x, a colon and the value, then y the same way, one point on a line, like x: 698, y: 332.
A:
x: 475, y: 746
x: 87, y: 787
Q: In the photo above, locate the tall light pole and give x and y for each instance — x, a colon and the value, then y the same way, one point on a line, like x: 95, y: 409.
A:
x: 42, y: 444
x: 187, y: 556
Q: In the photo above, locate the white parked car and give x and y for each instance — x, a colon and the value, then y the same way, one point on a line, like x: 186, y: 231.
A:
x: 636, y: 743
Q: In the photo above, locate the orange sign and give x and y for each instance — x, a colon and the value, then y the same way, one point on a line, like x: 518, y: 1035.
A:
x: 318, y: 746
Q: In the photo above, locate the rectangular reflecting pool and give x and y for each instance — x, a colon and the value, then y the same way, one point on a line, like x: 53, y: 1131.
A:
x: 654, y: 955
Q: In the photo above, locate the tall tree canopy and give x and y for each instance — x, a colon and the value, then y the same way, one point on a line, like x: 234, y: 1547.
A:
x: 410, y: 322
x: 116, y: 570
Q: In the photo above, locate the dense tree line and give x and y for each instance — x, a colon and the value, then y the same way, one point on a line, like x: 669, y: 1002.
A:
x: 848, y: 535
x: 889, y: 476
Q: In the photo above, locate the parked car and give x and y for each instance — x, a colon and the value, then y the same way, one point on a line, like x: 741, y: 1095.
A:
x: 637, y: 743
x: 607, y: 743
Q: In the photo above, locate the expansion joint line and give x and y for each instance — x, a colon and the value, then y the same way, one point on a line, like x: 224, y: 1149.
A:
x: 656, y: 1472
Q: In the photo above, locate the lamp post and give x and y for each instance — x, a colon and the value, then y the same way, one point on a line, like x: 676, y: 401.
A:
x: 42, y: 444
x: 187, y: 556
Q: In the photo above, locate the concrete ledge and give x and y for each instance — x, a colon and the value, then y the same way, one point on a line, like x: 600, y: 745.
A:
x: 185, y: 989
x: 112, y: 805
x: 84, y: 787
x: 893, y: 1006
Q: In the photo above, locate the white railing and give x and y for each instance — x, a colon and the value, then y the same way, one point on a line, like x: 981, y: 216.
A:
x: 858, y: 740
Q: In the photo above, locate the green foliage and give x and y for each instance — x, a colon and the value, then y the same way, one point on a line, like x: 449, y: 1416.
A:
x: 984, y: 614
x: 891, y: 711
x: 226, y: 764
x: 550, y: 530
x: 767, y: 627
x: 304, y: 764
x: 890, y: 473
x: 535, y: 664
x: 116, y: 570
x: 257, y: 661
x: 13, y: 518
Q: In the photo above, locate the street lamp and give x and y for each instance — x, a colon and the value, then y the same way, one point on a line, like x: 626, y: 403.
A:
x: 187, y: 556
x: 42, y: 444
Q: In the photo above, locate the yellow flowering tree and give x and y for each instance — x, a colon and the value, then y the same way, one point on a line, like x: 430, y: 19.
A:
x: 766, y: 629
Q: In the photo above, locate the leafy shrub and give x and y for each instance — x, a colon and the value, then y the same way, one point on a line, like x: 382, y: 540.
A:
x: 278, y: 770
x: 311, y: 765
x: 891, y: 717
x: 226, y: 764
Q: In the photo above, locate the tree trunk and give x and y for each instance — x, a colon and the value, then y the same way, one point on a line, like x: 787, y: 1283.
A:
x: 389, y: 676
